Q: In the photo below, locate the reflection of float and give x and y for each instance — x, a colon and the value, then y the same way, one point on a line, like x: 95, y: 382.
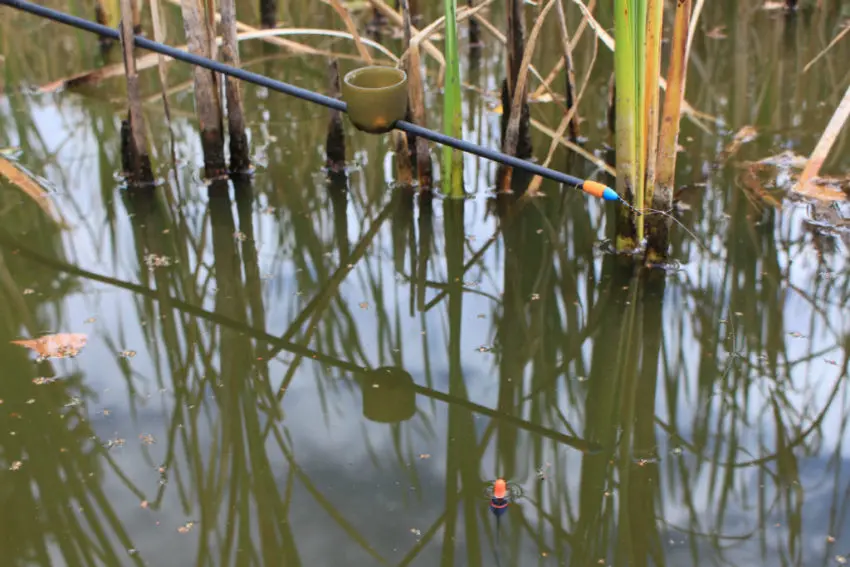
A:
x: 501, y: 494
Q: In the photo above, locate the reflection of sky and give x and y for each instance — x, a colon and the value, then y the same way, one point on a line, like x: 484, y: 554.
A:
x: 332, y: 442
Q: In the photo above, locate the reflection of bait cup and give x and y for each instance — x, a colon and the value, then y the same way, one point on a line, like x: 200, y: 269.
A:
x: 388, y: 395
x: 376, y: 97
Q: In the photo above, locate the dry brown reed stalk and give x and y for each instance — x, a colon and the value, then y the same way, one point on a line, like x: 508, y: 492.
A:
x: 137, y: 16
x: 207, y: 103
x: 159, y: 35
x: 293, y: 46
x: 570, y: 83
x: 534, y: 186
x: 832, y: 43
x: 697, y: 117
x: 651, y: 100
x: 562, y: 61
x: 335, y: 144
x: 437, y: 25
x: 824, y: 145
x: 352, y: 29
x: 397, y: 20
x: 519, y: 102
x: 416, y: 99
x: 138, y: 164
x: 658, y: 226
x: 500, y: 37
x: 240, y: 161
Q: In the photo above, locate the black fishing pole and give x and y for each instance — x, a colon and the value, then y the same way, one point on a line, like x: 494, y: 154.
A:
x: 590, y: 187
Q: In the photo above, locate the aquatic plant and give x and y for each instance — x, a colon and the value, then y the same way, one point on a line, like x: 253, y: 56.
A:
x: 452, y: 163
x: 645, y: 162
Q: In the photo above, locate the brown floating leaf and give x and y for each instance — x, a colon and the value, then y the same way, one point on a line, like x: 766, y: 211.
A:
x: 61, y: 345
x: 717, y: 32
x: 742, y: 136
x: 28, y: 185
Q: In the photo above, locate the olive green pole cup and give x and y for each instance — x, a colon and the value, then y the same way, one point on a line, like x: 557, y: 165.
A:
x: 376, y: 98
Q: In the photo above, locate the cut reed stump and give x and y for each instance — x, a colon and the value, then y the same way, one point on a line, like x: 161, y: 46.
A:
x: 102, y: 15
x: 268, y: 14
x: 135, y: 156
x: 207, y: 104
x: 516, y: 50
x: 335, y: 143
x: 416, y: 100
x: 240, y: 161
x: 658, y: 226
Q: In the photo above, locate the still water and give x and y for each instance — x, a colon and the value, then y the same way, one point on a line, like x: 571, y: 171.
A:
x: 304, y: 370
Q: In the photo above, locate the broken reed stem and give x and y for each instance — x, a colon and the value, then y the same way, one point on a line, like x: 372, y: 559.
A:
x: 515, y: 43
x: 268, y: 14
x: 651, y: 94
x: 160, y: 37
x: 397, y: 20
x: 103, y: 16
x: 240, y: 161
x: 658, y: 240
x: 335, y: 144
x: 474, y: 31
x: 570, y: 84
x: 519, y: 102
x: 557, y: 138
x: 416, y: 100
x: 207, y: 104
x: 562, y: 62
x: 137, y: 160
x: 352, y: 29
x: 137, y: 16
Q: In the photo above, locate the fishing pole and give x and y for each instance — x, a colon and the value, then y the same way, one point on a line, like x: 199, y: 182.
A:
x: 593, y: 188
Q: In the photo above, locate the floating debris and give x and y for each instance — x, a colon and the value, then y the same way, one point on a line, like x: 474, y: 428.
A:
x: 240, y: 236
x: 153, y: 261
x: 42, y: 381
x: 90, y: 320
x: 16, y: 465
x: 61, y: 345
x: 127, y: 354
x: 424, y: 456
x: 28, y: 291
x: 117, y: 442
x: 186, y: 528
x: 147, y: 439
x: 364, y: 305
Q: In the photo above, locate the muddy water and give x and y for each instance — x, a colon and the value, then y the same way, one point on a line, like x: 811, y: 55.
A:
x: 302, y: 371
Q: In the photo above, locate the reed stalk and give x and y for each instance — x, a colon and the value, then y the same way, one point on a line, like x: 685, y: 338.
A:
x: 662, y: 197
x: 240, y: 161
x: 137, y: 160
x: 452, y: 162
x: 626, y: 109
x: 651, y: 98
x: 207, y: 104
x: 416, y: 99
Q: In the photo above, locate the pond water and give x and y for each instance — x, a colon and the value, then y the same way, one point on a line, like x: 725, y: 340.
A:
x: 303, y: 370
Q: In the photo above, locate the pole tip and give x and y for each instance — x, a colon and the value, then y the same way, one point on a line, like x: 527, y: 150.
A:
x: 609, y: 194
